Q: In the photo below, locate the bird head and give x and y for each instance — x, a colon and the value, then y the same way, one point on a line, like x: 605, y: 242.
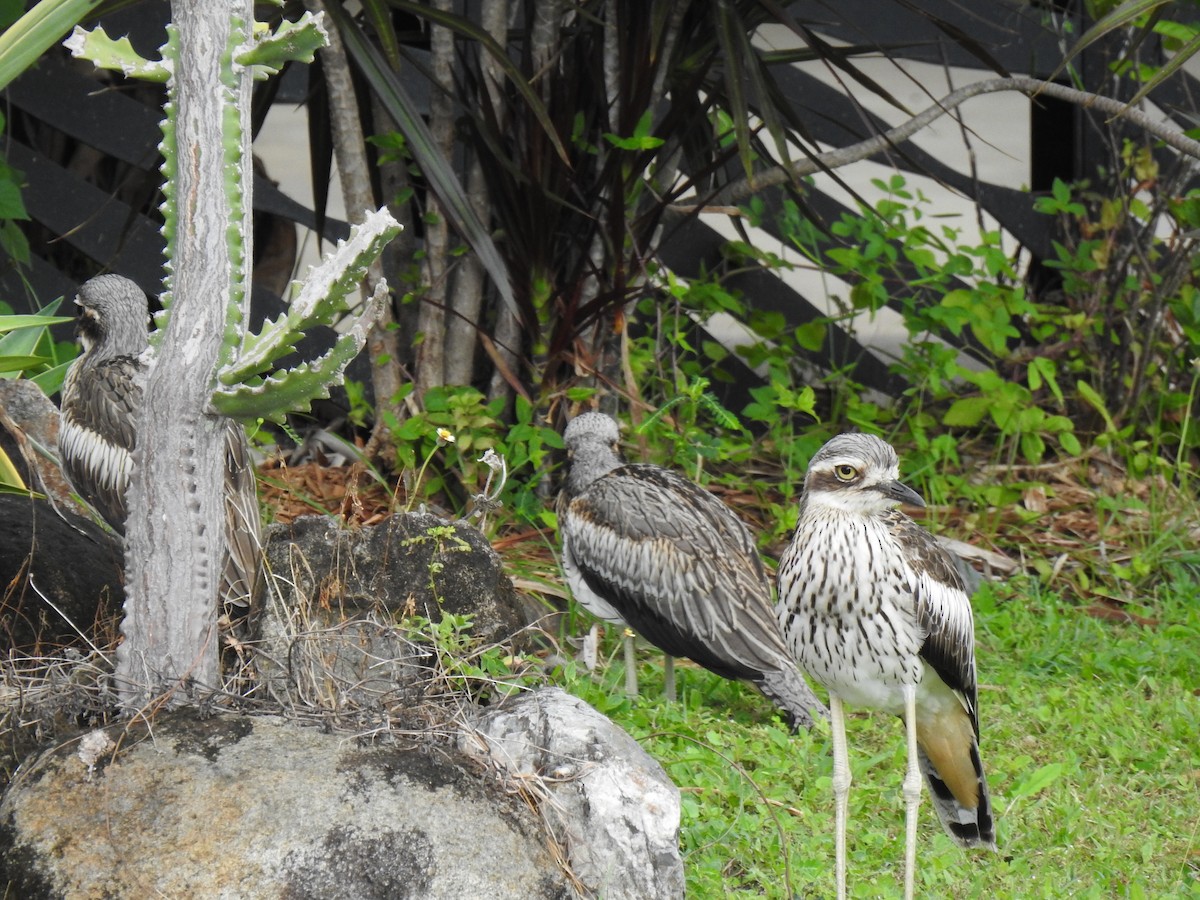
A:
x: 112, y: 317
x: 857, y: 473
x: 591, y: 440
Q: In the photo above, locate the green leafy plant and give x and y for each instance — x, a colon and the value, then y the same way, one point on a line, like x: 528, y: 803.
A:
x: 442, y: 449
x: 470, y: 667
x: 1129, y: 288
x: 29, y: 350
x: 948, y: 294
x: 23, y: 41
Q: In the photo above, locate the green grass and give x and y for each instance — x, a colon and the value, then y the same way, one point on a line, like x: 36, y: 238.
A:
x: 1090, y: 738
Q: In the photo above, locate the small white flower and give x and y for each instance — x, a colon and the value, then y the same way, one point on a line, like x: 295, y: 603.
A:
x: 445, y: 434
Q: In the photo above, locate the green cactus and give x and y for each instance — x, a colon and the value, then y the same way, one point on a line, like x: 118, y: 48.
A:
x: 170, y: 613
x: 322, y: 298
x: 117, y: 55
x: 291, y: 42
x: 252, y: 396
x: 247, y: 387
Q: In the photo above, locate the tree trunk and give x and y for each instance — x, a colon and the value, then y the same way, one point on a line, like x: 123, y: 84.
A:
x: 431, y: 320
x: 470, y: 284
x: 351, y: 153
x: 175, y: 528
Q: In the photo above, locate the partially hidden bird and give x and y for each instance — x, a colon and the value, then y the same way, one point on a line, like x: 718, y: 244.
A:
x: 645, y: 546
x: 874, y: 609
x: 101, y: 398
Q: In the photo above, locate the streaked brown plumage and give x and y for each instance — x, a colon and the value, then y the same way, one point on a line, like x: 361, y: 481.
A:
x: 874, y: 609
x: 644, y: 546
x: 101, y: 395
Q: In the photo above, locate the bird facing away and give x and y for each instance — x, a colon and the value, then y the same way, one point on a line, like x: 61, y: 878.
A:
x: 645, y: 546
x: 101, y: 397
x: 874, y: 609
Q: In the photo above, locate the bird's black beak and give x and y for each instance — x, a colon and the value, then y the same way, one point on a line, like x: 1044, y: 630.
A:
x: 901, y: 493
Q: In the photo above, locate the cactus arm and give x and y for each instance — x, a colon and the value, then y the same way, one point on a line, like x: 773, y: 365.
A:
x: 294, y: 389
x: 295, y: 41
x: 106, y: 53
x: 321, y: 298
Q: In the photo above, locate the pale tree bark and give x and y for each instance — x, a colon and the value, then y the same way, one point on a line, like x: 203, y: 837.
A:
x: 544, y: 60
x: 399, y: 256
x: 175, y: 529
x: 606, y: 336
x: 431, y: 319
x: 383, y: 344
x: 464, y: 324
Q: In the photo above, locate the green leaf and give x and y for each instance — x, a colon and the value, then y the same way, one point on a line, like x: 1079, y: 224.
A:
x: 9, y: 476
x: 1041, y: 369
x: 50, y: 381
x: 1089, y: 393
x: 731, y: 36
x: 641, y: 138
x: 12, y: 206
x: 10, y: 11
x: 1070, y: 443
x: 811, y: 335
x: 1033, y: 448
x: 967, y: 412
x: 1038, y: 781
x: 1124, y: 16
x: 9, y: 363
x: 20, y: 342
x: 12, y: 323
x: 36, y: 32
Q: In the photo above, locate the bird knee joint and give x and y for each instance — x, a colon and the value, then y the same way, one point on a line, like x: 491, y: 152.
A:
x: 841, y: 782
x: 912, y: 786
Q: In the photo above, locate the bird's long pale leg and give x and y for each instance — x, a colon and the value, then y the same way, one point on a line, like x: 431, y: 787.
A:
x: 631, y: 678
x: 841, y: 786
x: 669, y: 677
x: 912, y: 791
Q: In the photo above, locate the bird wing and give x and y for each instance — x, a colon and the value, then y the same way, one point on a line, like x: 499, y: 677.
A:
x: 678, y: 566
x: 97, y: 432
x: 943, y: 610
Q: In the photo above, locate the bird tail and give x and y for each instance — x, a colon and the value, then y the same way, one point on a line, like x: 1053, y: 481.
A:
x: 788, y: 690
x: 960, y: 792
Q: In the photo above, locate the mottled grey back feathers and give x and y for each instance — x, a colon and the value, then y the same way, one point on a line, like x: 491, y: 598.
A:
x: 675, y: 563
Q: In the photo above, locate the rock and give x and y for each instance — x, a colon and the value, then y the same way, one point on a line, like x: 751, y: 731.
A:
x: 537, y: 797
x: 412, y: 564
x: 604, y: 798
x: 257, y: 807
x: 60, y: 573
x: 28, y: 431
x: 61, y: 577
x: 326, y: 636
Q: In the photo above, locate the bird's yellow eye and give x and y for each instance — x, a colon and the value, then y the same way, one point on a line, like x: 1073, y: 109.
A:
x: 845, y: 472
